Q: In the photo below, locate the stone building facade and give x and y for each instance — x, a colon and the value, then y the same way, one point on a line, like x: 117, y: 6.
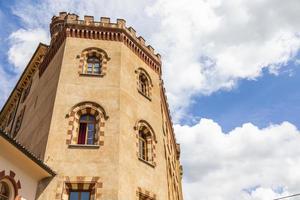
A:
x: 93, y: 108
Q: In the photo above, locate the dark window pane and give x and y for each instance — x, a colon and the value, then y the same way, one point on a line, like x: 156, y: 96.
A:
x: 97, y: 65
x: 85, y: 195
x: 91, y: 133
x: 83, y: 118
x: 74, y: 195
x: 91, y: 118
x: 90, y: 139
x: 90, y: 65
x: 4, y: 191
x: 82, y: 133
x: 91, y: 127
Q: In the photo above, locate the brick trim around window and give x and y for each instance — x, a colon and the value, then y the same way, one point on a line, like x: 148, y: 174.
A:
x: 142, y: 125
x: 99, y: 53
x: 74, y: 116
x: 67, y: 183
x: 148, y: 93
x: 142, y: 194
x: 11, y: 177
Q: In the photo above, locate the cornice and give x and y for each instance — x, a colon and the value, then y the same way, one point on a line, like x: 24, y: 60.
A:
x: 69, y: 25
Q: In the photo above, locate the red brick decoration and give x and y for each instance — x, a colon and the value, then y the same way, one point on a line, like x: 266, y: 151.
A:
x: 139, y: 72
x: 142, y: 194
x: 74, y: 116
x: 144, y: 126
x: 93, y: 51
x: 11, y: 178
x: 66, y: 183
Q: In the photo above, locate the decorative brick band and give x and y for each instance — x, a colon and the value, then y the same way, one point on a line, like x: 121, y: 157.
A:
x: 11, y: 178
x: 89, y: 183
x: 69, y: 25
x: 145, y: 128
x: 86, y: 108
x: 142, y: 194
x: 103, y: 33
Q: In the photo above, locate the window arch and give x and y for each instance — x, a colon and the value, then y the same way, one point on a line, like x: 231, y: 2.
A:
x: 86, y: 124
x: 9, y: 185
x: 144, y: 83
x: 146, y: 142
x: 93, y: 61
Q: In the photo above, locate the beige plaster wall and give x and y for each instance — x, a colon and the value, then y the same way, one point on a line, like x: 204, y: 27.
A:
x: 73, y: 89
x: 116, y: 162
x: 39, y: 105
x: 133, y: 107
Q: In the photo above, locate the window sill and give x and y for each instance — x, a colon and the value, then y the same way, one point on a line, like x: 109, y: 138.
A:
x: 93, y: 75
x: 83, y: 146
x: 144, y: 95
x: 147, y: 162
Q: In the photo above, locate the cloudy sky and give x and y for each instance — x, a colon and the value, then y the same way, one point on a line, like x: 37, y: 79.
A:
x: 232, y: 73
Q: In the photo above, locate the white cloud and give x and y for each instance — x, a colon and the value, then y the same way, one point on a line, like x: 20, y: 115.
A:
x: 23, y: 43
x: 210, y: 45
x: 222, y: 166
x: 206, y: 45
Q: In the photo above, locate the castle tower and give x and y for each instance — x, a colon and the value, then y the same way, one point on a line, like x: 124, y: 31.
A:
x: 92, y: 106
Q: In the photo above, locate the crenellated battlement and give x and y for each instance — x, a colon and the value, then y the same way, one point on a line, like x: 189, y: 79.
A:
x: 72, y: 26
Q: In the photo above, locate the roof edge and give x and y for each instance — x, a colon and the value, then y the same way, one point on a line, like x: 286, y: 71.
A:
x: 29, y: 154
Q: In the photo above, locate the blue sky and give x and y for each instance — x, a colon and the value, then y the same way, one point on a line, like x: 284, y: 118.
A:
x: 237, y: 106
x: 270, y: 99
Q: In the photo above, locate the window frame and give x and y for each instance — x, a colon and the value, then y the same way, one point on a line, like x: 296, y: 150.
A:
x: 143, y: 150
x: 79, y: 191
x: 145, y: 132
x: 145, y: 86
x: 87, y: 123
x: 93, y: 63
x: 86, y: 107
x: 89, y: 53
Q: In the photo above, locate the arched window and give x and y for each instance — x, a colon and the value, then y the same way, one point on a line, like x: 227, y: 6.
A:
x: 93, y: 65
x: 87, y: 129
x: 144, y: 83
x: 93, y: 61
x: 143, y: 147
x: 4, y: 191
x: 86, y: 125
x: 146, y: 142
